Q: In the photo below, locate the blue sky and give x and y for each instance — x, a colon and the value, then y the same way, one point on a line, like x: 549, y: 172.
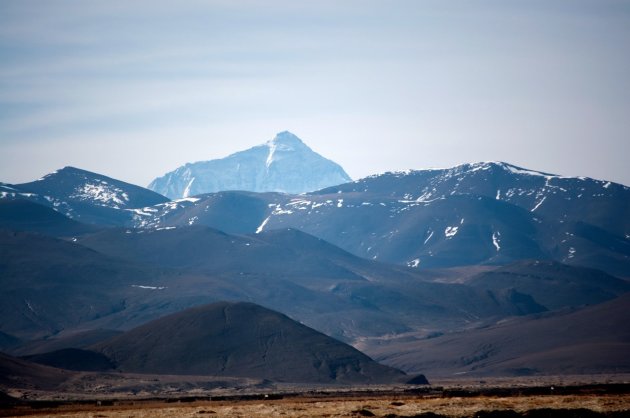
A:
x: 133, y: 89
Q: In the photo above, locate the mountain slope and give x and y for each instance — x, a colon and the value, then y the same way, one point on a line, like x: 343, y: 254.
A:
x: 595, y: 339
x: 243, y: 340
x: 19, y: 373
x: 283, y: 164
x: 325, y: 287
x: 234, y: 212
x: 49, y: 285
x: 85, y: 196
x: 24, y: 215
x: 552, y: 284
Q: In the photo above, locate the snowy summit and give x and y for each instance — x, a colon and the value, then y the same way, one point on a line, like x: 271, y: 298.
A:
x: 282, y: 164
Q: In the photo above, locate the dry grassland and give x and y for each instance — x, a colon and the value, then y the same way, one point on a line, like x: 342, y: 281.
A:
x: 400, y: 406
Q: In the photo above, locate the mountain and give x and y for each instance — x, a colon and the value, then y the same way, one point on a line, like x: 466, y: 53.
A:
x: 283, y: 164
x: 241, y: 340
x: 592, y: 340
x: 84, y: 196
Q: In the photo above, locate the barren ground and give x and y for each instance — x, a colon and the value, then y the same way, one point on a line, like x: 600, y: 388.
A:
x: 453, y: 398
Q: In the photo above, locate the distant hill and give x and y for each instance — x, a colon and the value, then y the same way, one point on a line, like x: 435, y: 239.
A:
x: 283, y: 164
x: 592, y: 340
x: 19, y: 373
x: 325, y: 287
x: 73, y: 359
x: 552, y: 284
x: 242, y: 340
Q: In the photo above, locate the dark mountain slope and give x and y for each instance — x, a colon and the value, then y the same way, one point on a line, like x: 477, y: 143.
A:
x: 281, y: 254
x: 8, y: 341
x: 308, y: 278
x: 62, y: 340
x: 552, y: 284
x: 241, y: 339
x: 50, y: 284
x: 595, y: 339
x: 24, y: 215
x: 73, y: 359
x: 19, y: 373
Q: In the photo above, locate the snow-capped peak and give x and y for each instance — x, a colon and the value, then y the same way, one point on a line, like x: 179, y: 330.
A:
x: 283, y: 141
x: 283, y: 164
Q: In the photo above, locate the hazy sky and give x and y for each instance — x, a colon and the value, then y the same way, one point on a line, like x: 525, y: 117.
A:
x: 133, y: 89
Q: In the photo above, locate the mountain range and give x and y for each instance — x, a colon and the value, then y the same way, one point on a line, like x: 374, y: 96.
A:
x: 484, y: 213
x: 418, y: 269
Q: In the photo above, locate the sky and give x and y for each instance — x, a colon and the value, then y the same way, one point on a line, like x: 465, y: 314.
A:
x: 134, y: 89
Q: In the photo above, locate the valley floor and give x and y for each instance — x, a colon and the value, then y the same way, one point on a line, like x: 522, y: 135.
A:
x: 399, y: 406
x: 500, y: 398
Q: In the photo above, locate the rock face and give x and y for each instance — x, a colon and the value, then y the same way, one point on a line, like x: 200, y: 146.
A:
x: 283, y: 164
x: 242, y: 340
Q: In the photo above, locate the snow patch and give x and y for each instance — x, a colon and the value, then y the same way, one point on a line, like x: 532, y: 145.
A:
x: 140, y: 286
x: 106, y: 194
x: 30, y: 307
x: 262, y: 225
x: 450, y: 231
x: 517, y: 170
x: 495, y: 240
x: 428, y: 238
x: 187, y: 189
x: 538, y: 204
x: 272, y: 150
